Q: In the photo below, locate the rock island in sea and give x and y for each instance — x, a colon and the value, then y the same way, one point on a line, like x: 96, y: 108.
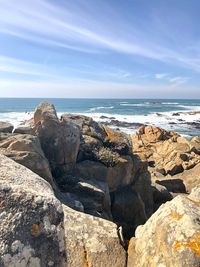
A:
x: 76, y: 193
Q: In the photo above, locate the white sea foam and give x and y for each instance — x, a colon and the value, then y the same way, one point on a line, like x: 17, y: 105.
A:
x: 97, y: 108
x: 15, y: 117
x: 163, y: 119
x: 170, y: 103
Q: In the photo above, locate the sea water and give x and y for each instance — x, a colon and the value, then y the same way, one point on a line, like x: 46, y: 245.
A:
x: 159, y: 112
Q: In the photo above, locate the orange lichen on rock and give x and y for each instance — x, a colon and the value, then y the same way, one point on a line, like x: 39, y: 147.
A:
x: 176, y: 216
x: 193, y: 244
x: 112, y: 135
x: 35, y: 229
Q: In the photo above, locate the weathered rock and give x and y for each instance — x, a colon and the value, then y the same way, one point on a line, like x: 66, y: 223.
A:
x: 106, y: 155
x: 93, y: 195
x: 130, y: 171
x: 160, y: 195
x: 118, y: 141
x: 92, y: 241
x: 91, y: 170
x: 87, y: 125
x: 116, y: 176
x: 128, y: 210
x: 170, y: 155
x: 31, y: 225
x: 153, y: 134
x: 26, y: 127
x: 190, y: 178
x: 172, y: 185
x: 6, y: 127
x: 26, y: 150
x: 170, y: 237
x: 59, y: 139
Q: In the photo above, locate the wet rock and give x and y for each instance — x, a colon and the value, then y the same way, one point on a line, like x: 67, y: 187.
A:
x: 122, y: 124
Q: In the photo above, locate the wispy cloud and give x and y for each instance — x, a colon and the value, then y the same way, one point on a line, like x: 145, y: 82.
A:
x: 178, y: 80
x: 174, y: 81
x: 42, y: 71
x: 74, y: 26
x: 161, y: 75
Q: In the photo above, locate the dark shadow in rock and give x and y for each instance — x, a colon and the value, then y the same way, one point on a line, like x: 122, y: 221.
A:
x: 128, y: 210
x: 173, y: 185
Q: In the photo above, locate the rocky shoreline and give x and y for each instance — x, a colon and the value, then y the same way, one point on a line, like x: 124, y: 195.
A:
x: 76, y: 193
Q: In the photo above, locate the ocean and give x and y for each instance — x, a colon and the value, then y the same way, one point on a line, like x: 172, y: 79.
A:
x: 182, y: 116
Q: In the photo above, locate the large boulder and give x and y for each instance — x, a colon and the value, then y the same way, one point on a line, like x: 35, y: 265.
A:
x: 6, y: 127
x: 26, y: 150
x: 92, y: 241
x: 87, y: 125
x: 171, y: 237
x: 129, y: 171
x: 59, y: 139
x: 31, y: 225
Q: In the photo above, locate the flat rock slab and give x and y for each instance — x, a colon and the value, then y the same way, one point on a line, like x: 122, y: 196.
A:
x: 92, y: 241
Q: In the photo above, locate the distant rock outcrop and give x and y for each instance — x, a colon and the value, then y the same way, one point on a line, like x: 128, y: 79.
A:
x: 6, y: 127
x: 172, y: 159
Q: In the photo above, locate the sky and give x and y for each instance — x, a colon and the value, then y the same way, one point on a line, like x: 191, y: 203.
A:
x: 100, y: 48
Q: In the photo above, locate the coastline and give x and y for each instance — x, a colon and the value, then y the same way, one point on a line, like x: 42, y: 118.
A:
x: 185, y: 123
x: 96, y: 189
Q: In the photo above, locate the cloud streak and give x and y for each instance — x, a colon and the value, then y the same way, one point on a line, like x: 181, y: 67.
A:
x: 75, y: 28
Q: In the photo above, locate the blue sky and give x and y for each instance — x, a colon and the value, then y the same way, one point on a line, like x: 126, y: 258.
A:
x: 100, y: 48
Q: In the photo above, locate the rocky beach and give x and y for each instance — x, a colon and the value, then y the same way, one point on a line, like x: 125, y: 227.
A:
x: 75, y: 192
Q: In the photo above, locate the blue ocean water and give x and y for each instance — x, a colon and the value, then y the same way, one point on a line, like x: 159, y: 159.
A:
x: 112, y: 106
x: 159, y: 112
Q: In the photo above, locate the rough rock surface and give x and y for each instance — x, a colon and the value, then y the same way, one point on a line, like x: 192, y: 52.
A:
x: 59, y: 139
x: 92, y: 241
x: 26, y: 127
x: 26, y: 150
x: 31, y: 225
x: 106, y: 155
x: 6, y: 127
x: 128, y: 210
x: 173, y: 160
x: 93, y: 195
x: 171, y: 237
x: 166, y: 152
